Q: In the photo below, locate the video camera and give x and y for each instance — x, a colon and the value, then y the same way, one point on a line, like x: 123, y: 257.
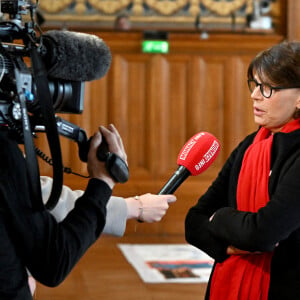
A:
x: 44, y: 75
x: 66, y: 95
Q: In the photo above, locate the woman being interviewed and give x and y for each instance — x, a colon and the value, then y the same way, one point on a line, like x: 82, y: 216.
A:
x: 249, y: 218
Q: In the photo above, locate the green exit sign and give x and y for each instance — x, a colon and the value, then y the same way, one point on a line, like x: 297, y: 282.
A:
x: 155, y: 46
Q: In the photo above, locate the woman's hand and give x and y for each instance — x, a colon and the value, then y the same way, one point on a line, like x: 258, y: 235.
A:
x: 231, y: 250
x: 149, y: 207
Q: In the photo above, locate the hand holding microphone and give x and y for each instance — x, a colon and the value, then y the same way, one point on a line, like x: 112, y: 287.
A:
x: 194, y: 158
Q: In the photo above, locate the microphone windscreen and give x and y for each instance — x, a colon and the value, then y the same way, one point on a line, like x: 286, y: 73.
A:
x: 199, y: 152
x: 75, y: 56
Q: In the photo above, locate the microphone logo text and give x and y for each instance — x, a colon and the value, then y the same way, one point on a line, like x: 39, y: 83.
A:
x: 208, y: 155
x: 189, y: 146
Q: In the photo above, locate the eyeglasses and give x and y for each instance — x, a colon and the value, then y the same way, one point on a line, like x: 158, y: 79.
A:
x: 265, y: 89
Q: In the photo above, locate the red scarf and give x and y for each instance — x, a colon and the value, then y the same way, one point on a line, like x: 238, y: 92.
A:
x: 247, y: 277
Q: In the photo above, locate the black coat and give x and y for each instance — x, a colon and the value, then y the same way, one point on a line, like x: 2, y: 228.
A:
x: 277, y: 222
x: 34, y: 239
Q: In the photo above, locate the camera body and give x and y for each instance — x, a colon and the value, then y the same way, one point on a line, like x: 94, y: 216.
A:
x: 30, y: 97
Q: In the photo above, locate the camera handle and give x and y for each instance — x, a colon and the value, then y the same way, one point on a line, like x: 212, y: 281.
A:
x: 115, y: 165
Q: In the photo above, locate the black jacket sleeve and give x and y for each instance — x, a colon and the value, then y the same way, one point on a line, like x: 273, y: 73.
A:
x: 49, y: 249
x: 197, y: 221
x: 52, y: 249
x: 273, y: 223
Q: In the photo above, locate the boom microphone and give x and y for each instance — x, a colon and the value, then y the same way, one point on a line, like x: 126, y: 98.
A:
x: 74, y: 55
x: 194, y: 158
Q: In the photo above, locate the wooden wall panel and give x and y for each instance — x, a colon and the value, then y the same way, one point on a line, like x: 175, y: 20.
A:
x: 159, y: 101
x: 293, y: 21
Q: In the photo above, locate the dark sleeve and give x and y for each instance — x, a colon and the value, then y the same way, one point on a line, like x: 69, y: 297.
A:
x: 273, y: 223
x: 49, y: 249
x: 57, y: 247
x: 197, y: 222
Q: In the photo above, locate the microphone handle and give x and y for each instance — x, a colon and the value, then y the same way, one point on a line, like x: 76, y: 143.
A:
x: 175, y: 181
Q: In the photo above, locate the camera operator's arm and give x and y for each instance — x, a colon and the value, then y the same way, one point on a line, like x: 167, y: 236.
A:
x: 48, y: 248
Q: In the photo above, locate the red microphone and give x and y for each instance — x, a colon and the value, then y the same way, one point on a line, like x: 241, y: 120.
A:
x: 194, y: 158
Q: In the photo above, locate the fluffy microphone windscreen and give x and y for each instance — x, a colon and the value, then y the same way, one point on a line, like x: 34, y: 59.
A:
x: 199, y: 152
x: 75, y: 55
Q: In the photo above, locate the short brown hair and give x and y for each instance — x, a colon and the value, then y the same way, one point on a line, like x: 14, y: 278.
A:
x: 279, y: 64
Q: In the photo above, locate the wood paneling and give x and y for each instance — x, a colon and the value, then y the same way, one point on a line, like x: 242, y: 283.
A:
x: 159, y: 101
x: 293, y: 20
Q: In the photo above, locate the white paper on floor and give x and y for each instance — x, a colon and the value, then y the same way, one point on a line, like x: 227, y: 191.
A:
x: 168, y: 263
